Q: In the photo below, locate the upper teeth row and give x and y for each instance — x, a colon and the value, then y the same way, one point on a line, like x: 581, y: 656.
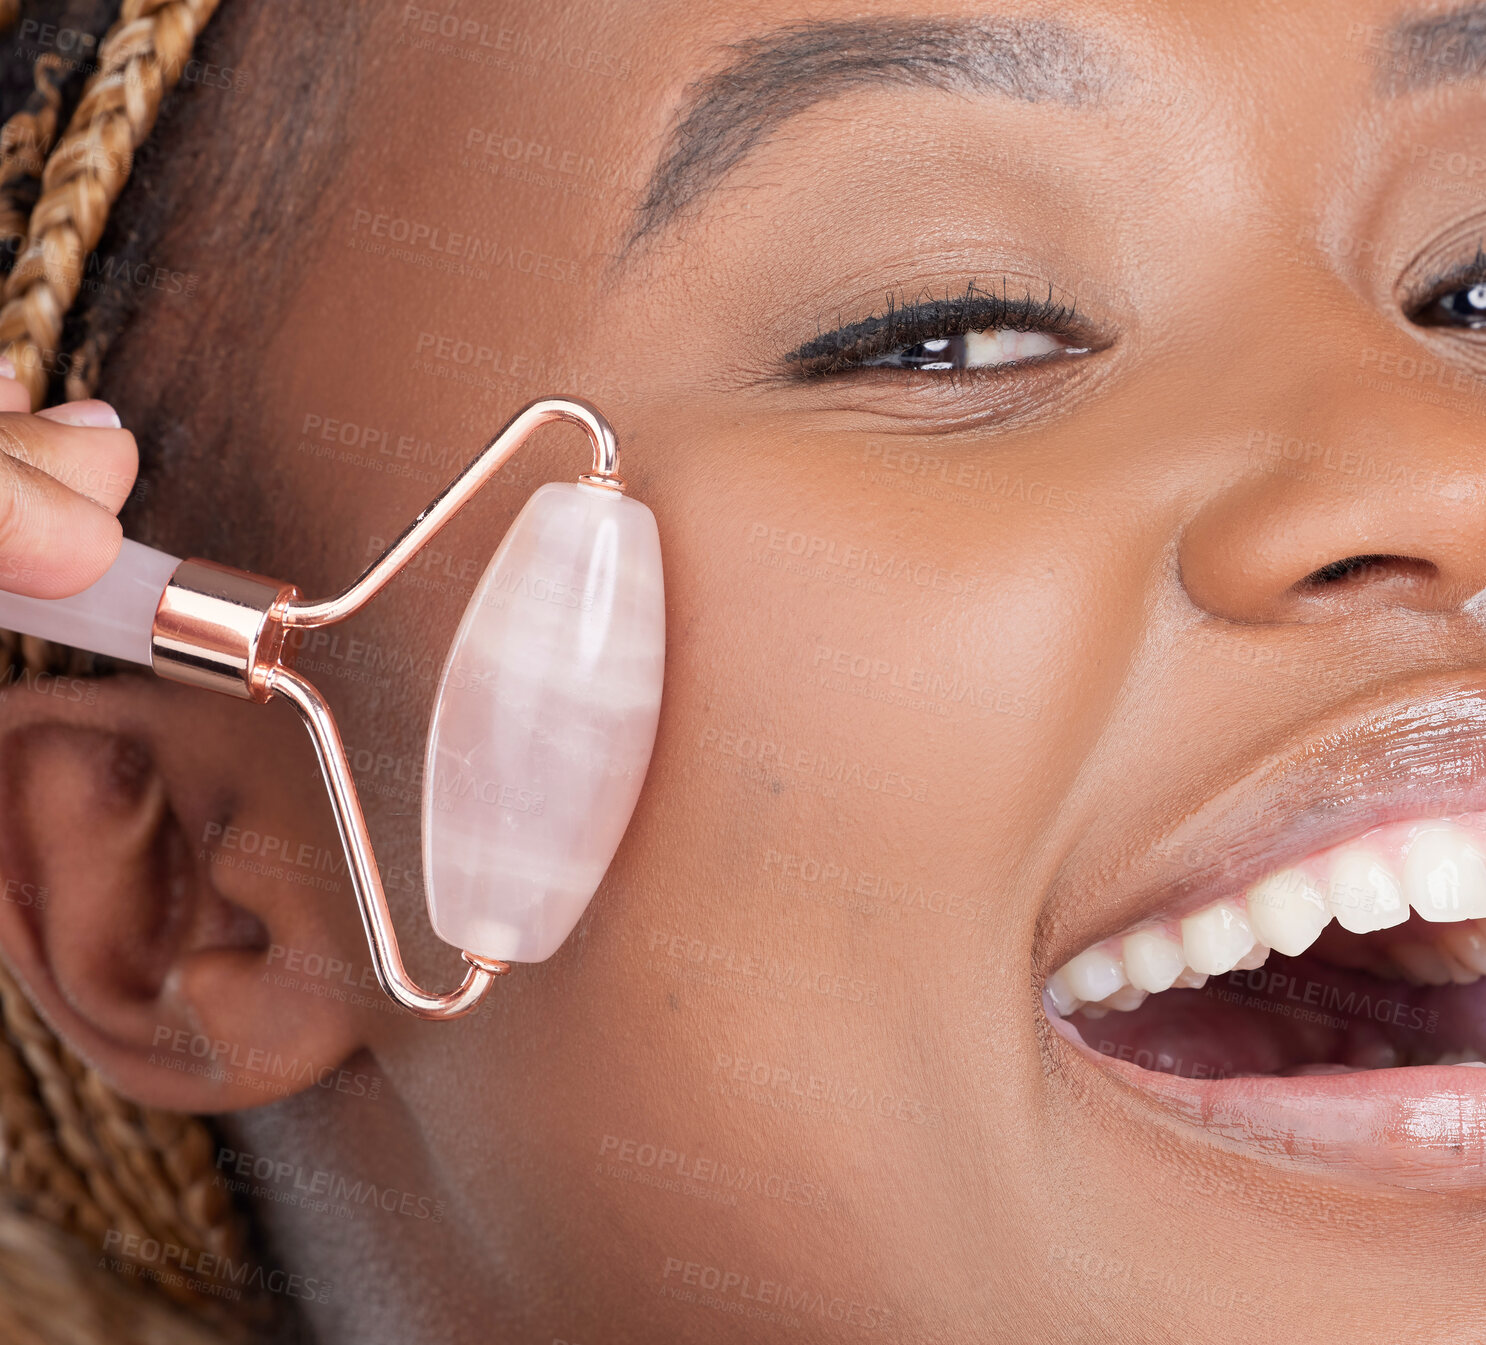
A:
x: 1436, y: 869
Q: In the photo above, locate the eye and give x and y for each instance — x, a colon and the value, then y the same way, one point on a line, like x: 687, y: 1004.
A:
x: 970, y: 350
x: 972, y: 331
x: 1455, y: 305
x: 1460, y: 308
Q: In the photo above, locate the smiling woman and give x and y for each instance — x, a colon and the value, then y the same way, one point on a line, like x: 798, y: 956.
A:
x: 1056, y: 908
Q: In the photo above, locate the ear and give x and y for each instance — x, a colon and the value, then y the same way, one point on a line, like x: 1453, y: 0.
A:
x: 144, y: 936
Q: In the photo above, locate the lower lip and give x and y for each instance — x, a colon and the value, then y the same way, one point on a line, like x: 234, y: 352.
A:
x: 1416, y: 1126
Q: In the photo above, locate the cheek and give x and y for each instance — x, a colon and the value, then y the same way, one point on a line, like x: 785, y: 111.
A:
x: 823, y: 909
x: 860, y: 741
x: 867, y: 670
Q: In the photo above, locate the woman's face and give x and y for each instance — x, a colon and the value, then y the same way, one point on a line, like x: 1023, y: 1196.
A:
x: 969, y: 668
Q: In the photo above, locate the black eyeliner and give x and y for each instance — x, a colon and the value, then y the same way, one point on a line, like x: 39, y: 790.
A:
x: 908, y: 322
x: 1435, y: 287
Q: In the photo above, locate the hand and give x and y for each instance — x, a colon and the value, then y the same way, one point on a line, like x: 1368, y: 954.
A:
x: 64, y: 474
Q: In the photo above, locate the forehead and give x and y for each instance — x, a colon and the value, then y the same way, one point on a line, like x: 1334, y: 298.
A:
x: 507, y: 163
x: 543, y: 93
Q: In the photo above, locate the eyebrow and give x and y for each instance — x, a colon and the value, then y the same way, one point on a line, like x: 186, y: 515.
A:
x: 1436, y: 50
x: 780, y: 74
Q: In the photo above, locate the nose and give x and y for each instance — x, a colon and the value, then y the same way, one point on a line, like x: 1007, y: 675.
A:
x: 1363, y: 484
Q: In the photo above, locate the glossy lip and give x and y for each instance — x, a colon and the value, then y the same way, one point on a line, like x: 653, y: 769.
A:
x: 1399, y: 758
x: 1418, y: 1126
x: 1417, y: 751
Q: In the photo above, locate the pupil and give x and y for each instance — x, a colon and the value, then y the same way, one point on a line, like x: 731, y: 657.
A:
x: 943, y: 352
x: 1469, y: 304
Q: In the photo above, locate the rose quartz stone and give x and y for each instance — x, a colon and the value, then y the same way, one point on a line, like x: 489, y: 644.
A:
x: 544, y: 723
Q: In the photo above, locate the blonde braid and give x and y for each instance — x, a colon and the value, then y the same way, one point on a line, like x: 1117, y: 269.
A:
x: 25, y: 141
x: 52, y: 1291
x: 86, y: 1160
x: 71, y: 1150
x: 96, y: 1202
x: 140, y: 60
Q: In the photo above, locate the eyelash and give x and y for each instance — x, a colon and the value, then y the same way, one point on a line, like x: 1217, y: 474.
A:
x: 1471, y: 275
x: 909, y: 322
x: 905, y: 323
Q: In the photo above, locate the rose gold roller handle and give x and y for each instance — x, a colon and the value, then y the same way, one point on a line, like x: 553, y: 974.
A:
x: 454, y: 496
x: 376, y: 918
x: 224, y: 630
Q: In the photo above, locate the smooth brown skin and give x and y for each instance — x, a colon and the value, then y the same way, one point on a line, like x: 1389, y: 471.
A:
x: 1208, y: 220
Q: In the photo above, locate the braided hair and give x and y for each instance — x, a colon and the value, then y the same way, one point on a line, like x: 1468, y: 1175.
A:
x: 78, y: 1163
x: 139, y: 61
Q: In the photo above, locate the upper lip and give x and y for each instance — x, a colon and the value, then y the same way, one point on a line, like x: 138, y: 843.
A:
x: 1417, y: 749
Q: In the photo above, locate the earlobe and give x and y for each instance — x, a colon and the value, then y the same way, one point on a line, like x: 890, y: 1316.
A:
x: 140, y: 952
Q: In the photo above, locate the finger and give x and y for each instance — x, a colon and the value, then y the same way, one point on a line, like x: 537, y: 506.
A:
x: 13, y: 394
x: 89, y: 411
x: 100, y: 464
x: 53, y: 541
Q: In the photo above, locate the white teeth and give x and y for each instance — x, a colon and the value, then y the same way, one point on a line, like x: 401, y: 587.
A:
x: 1093, y: 975
x: 1061, y: 994
x: 1436, y: 867
x: 1217, y: 938
x: 1153, y: 959
x: 1363, y: 894
x: 1466, y: 1057
x: 1444, y: 876
x: 1287, y: 911
x: 1467, y: 944
x: 1255, y: 958
x: 1127, y: 997
x: 1374, y: 1055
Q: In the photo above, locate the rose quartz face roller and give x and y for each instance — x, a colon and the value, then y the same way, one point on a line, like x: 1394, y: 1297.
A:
x: 543, y: 720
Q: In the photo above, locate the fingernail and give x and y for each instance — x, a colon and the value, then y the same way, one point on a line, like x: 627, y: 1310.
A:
x: 7, y: 367
x: 92, y: 414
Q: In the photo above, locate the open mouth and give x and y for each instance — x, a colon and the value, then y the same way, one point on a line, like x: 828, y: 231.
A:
x: 1299, y: 969
x: 1368, y: 955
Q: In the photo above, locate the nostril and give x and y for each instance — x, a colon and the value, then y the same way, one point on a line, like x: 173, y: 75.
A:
x: 1369, y: 569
